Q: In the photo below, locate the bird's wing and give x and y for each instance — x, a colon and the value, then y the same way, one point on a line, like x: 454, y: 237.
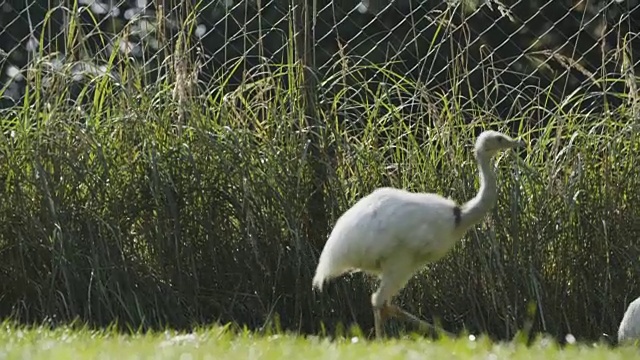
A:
x: 383, y: 227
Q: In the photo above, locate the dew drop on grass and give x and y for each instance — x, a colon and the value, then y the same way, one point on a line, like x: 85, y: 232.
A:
x: 570, y: 339
x: 545, y: 342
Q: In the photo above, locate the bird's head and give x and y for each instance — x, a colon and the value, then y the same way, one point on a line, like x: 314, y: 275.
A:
x: 490, y: 142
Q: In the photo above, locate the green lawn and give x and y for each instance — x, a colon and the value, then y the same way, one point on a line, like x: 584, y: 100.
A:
x: 217, y: 343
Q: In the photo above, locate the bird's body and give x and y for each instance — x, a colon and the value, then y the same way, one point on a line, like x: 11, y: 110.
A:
x: 392, y: 233
x: 629, y: 329
x: 385, y: 230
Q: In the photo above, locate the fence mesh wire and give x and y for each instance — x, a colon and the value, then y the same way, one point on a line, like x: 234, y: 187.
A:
x: 501, y: 55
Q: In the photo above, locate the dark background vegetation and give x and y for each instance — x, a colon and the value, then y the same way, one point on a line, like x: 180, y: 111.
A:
x: 195, y: 176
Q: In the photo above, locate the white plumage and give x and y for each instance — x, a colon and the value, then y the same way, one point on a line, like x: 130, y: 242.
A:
x: 388, y: 213
x: 392, y: 233
x: 629, y: 329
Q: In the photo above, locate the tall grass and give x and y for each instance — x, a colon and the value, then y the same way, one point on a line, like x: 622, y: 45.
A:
x: 114, y: 211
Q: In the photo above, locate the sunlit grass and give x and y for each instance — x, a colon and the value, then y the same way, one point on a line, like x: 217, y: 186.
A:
x: 220, y: 343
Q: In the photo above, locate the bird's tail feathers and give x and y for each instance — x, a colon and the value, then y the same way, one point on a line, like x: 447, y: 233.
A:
x: 318, y: 281
x: 324, y: 272
x: 331, y: 262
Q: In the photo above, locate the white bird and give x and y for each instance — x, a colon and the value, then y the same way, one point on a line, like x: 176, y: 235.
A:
x: 629, y: 329
x: 392, y: 233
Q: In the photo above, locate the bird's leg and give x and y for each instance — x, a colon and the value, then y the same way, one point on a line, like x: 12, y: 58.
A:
x: 387, y: 311
x: 380, y: 313
x: 380, y: 316
x: 378, y: 320
x: 390, y: 284
x: 393, y: 310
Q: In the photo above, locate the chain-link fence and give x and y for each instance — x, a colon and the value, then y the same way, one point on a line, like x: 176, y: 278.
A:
x: 504, y: 56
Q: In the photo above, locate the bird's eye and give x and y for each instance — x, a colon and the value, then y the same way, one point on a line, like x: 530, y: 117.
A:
x: 499, y: 139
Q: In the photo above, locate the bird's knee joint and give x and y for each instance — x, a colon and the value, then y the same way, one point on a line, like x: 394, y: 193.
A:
x: 377, y: 301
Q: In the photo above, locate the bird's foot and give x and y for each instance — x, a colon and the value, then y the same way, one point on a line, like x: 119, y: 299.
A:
x: 395, y: 311
x: 387, y: 311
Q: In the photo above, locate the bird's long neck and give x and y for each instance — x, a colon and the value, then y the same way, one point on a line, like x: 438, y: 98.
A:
x: 475, y: 209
